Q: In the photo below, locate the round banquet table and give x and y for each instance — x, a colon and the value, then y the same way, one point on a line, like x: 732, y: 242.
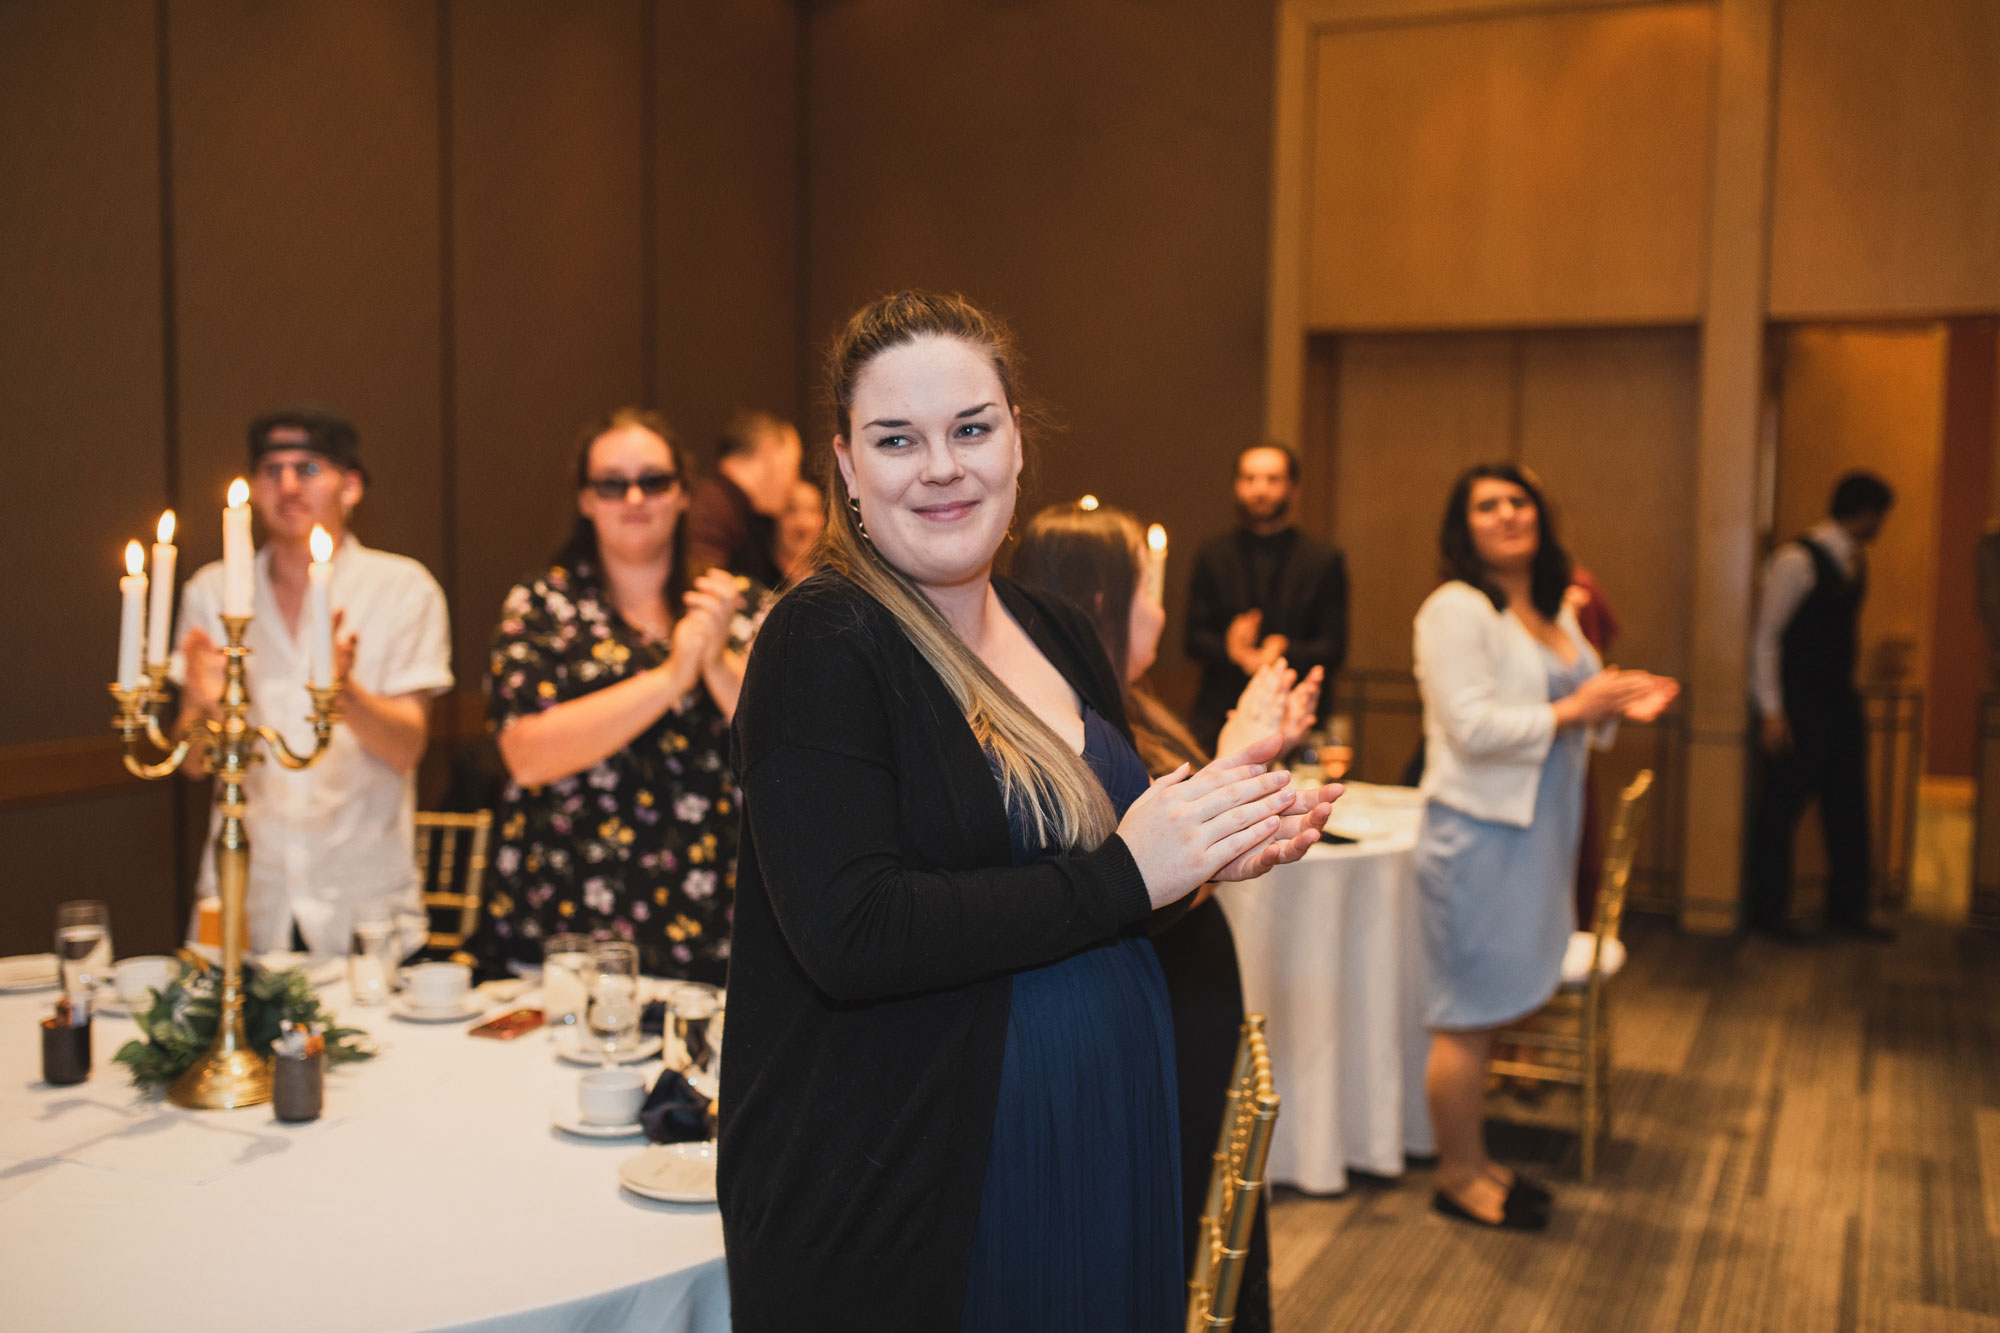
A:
x: 1331, y: 948
x: 433, y: 1192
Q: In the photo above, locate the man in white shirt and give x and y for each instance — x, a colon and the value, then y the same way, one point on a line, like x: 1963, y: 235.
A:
x: 334, y: 843
x: 1804, y: 652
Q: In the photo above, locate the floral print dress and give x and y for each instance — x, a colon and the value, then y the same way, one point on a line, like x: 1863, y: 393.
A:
x: 641, y: 846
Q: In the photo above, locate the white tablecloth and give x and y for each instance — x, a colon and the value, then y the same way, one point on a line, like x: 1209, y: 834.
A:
x: 1332, y: 954
x: 433, y: 1192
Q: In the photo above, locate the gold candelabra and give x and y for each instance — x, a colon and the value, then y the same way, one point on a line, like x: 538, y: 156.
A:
x: 229, y: 1074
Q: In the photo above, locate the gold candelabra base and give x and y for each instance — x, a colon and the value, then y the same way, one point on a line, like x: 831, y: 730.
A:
x: 229, y: 1074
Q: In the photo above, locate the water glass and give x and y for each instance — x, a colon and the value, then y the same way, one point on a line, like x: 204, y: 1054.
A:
x: 565, y: 980
x: 369, y: 962
x: 614, y: 997
x: 694, y: 1015
x: 83, y: 945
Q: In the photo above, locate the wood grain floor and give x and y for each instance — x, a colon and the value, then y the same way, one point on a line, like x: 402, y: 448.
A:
x: 1804, y: 1137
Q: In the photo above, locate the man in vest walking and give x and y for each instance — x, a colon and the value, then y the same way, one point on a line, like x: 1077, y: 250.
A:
x: 1803, y: 657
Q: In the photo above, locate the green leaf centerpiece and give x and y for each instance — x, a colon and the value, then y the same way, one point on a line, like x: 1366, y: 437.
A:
x: 180, y: 1022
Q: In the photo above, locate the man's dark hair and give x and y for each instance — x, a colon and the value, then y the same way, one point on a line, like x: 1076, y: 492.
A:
x: 1291, y: 457
x: 1459, y: 559
x: 746, y: 430
x: 1860, y: 493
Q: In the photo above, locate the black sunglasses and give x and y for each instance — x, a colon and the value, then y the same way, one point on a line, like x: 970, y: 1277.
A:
x: 649, y: 484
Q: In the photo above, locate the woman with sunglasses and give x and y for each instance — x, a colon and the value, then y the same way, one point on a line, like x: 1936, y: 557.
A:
x: 610, y: 689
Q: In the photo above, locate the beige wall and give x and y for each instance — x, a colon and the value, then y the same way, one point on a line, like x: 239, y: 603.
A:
x: 1532, y: 169
x: 468, y: 226
x: 1887, y: 178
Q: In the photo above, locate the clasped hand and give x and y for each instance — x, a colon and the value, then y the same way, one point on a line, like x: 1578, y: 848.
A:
x: 1233, y: 820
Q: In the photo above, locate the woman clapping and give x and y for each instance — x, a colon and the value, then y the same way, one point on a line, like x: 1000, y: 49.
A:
x: 949, y: 1098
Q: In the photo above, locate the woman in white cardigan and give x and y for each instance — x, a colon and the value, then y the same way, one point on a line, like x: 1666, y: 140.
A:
x: 1511, y: 691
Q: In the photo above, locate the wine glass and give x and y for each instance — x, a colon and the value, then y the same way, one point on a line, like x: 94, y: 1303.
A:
x: 614, y: 997
x: 83, y: 945
x: 1337, y: 755
x: 368, y: 961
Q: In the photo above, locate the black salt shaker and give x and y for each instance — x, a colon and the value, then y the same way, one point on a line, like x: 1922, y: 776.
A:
x: 65, y: 1050
x: 298, y: 1086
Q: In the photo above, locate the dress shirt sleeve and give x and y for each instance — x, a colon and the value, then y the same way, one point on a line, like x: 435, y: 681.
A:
x: 823, y: 800
x: 1208, y: 613
x: 1455, y: 672
x: 418, y: 660
x: 1787, y: 579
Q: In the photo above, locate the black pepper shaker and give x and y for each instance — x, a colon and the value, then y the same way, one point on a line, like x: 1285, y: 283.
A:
x: 66, y: 1044
x: 298, y: 1086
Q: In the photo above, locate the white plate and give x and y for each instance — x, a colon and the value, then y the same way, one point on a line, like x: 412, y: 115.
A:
x: 471, y: 1007
x: 569, y: 1048
x: 672, y: 1172
x: 570, y: 1121
x: 29, y: 971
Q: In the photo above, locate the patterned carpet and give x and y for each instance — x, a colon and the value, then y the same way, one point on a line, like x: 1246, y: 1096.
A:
x: 1804, y: 1137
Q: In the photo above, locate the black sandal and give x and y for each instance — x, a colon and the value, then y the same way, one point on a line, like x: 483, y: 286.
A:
x: 1515, y: 1214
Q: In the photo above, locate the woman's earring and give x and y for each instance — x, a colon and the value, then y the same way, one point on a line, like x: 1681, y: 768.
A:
x: 854, y: 506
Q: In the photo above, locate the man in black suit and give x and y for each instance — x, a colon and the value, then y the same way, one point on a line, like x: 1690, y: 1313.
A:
x: 1264, y: 591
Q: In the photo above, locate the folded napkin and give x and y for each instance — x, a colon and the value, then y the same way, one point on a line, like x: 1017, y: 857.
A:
x: 674, y: 1112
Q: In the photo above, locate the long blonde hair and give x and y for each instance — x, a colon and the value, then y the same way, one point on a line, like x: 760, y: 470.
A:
x: 1039, y: 774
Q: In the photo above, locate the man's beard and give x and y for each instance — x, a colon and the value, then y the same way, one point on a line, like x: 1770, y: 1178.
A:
x: 1246, y: 516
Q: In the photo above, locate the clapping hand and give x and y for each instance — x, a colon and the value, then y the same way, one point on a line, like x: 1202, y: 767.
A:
x: 202, y: 676
x: 703, y: 632
x: 1232, y: 820
x: 1647, y: 706
x: 1275, y: 700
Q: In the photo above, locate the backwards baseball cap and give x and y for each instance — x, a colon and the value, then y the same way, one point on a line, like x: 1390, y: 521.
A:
x: 308, y: 426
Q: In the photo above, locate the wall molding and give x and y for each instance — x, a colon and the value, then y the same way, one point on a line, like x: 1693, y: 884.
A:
x: 50, y: 772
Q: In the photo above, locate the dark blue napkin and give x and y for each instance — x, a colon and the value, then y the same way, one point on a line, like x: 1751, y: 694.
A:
x: 674, y: 1112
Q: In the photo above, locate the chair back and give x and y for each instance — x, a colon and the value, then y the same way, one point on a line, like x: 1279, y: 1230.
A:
x: 1620, y: 849
x: 1235, y: 1184
x: 451, y: 871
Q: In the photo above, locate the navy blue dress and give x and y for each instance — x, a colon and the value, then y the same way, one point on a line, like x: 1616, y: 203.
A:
x: 1079, y: 1218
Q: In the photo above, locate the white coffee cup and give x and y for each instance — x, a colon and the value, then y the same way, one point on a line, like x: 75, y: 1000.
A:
x: 610, y: 1096
x: 439, y: 985
x: 140, y: 974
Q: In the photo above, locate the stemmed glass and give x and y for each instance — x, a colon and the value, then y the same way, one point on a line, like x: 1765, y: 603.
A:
x: 83, y: 945
x: 614, y: 997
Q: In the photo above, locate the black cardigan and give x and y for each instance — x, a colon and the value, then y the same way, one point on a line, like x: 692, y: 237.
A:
x: 879, y: 918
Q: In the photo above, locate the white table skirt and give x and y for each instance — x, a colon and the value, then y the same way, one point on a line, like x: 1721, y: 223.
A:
x: 433, y: 1193
x: 1332, y: 954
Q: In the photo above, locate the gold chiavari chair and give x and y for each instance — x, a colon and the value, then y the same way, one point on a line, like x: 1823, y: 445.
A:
x: 451, y: 870
x: 1568, y: 1041
x: 1235, y: 1185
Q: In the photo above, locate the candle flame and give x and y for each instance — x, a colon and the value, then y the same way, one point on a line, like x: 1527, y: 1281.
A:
x: 166, y: 528
x: 322, y: 545
x: 135, y: 556
x: 1087, y: 503
x: 239, y: 493
x: 1156, y: 537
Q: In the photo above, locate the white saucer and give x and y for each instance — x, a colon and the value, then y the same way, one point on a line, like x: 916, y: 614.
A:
x: 569, y: 1048
x: 470, y: 1007
x: 672, y: 1172
x: 29, y: 972
x: 570, y: 1121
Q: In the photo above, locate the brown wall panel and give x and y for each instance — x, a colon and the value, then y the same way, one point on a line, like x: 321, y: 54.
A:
x: 1546, y: 168
x: 1608, y: 419
x: 305, y: 162
x: 117, y: 848
x: 549, y: 307
x: 1097, y: 172
x: 80, y: 350
x: 1413, y: 412
x: 728, y: 199
x: 1887, y: 178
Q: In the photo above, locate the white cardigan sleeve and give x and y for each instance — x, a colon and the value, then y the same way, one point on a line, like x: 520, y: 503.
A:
x: 1458, y: 673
